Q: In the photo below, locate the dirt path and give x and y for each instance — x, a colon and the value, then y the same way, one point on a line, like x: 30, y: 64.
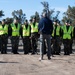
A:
x: 30, y: 65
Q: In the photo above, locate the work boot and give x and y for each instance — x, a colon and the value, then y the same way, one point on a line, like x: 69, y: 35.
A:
x: 49, y: 58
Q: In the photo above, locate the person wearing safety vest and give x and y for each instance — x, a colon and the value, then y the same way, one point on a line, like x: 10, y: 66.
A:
x: 15, y: 33
x: 34, y: 35
x: 26, y: 36
x: 56, y: 37
x: 67, y: 36
x: 3, y: 37
x: 71, y: 42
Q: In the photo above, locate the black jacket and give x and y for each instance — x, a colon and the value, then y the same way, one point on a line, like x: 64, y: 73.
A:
x: 45, y: 26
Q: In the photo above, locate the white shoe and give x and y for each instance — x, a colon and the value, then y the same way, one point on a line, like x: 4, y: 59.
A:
x: 40, y: 59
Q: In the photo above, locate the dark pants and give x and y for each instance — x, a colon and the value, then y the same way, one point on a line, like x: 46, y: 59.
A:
x: 66, y: 43
x: 30, y: 48
x: 15, y: 42
x: 44, y: 37
x: 56, y: 46
x: 71, y: 50
x: 4, y: 41
x: 45, y: 48
x: 26, y: 46
x: 52, y: 46
x: 34, y: 43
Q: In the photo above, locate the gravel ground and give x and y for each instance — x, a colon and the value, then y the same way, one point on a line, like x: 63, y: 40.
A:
x: 12, y: 64
x: 21, y: 64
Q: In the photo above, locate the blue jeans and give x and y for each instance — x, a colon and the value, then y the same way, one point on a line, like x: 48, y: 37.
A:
x: 48, y: 39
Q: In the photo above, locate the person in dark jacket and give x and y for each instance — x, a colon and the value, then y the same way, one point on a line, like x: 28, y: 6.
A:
x: 45, y: 28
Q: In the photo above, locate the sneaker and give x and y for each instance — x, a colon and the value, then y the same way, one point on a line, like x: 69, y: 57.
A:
x: 40, y: 59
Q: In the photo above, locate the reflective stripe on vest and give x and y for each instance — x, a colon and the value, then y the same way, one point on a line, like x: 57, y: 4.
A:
x: 3, y: 30
x: 34, y: 28
x: 15, y: 31
x: 26, y: 32
x: 67, y: 34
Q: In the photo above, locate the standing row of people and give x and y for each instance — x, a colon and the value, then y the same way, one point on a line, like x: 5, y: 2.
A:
x: 3, y: 37
x: 28, y: 33
x: 64, y: 33
x: 56, y: 37
x: 60, y: 34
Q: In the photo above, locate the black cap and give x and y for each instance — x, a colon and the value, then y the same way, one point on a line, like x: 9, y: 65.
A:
x: 55, y: 20
x: 34, y: 17
x: 30, y: 20
x: 67, y: 21
x: 3, y: 20
x: 26, y: 20
x: 58, y: 21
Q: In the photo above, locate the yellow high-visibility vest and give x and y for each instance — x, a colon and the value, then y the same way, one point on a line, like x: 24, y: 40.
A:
x: 26, y: 32
x: 15, y: 31
x: 3, y: 30
x: 67, y: 34
x: 57, y: 31
x: 34, y: 28
x: 53, y: 30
